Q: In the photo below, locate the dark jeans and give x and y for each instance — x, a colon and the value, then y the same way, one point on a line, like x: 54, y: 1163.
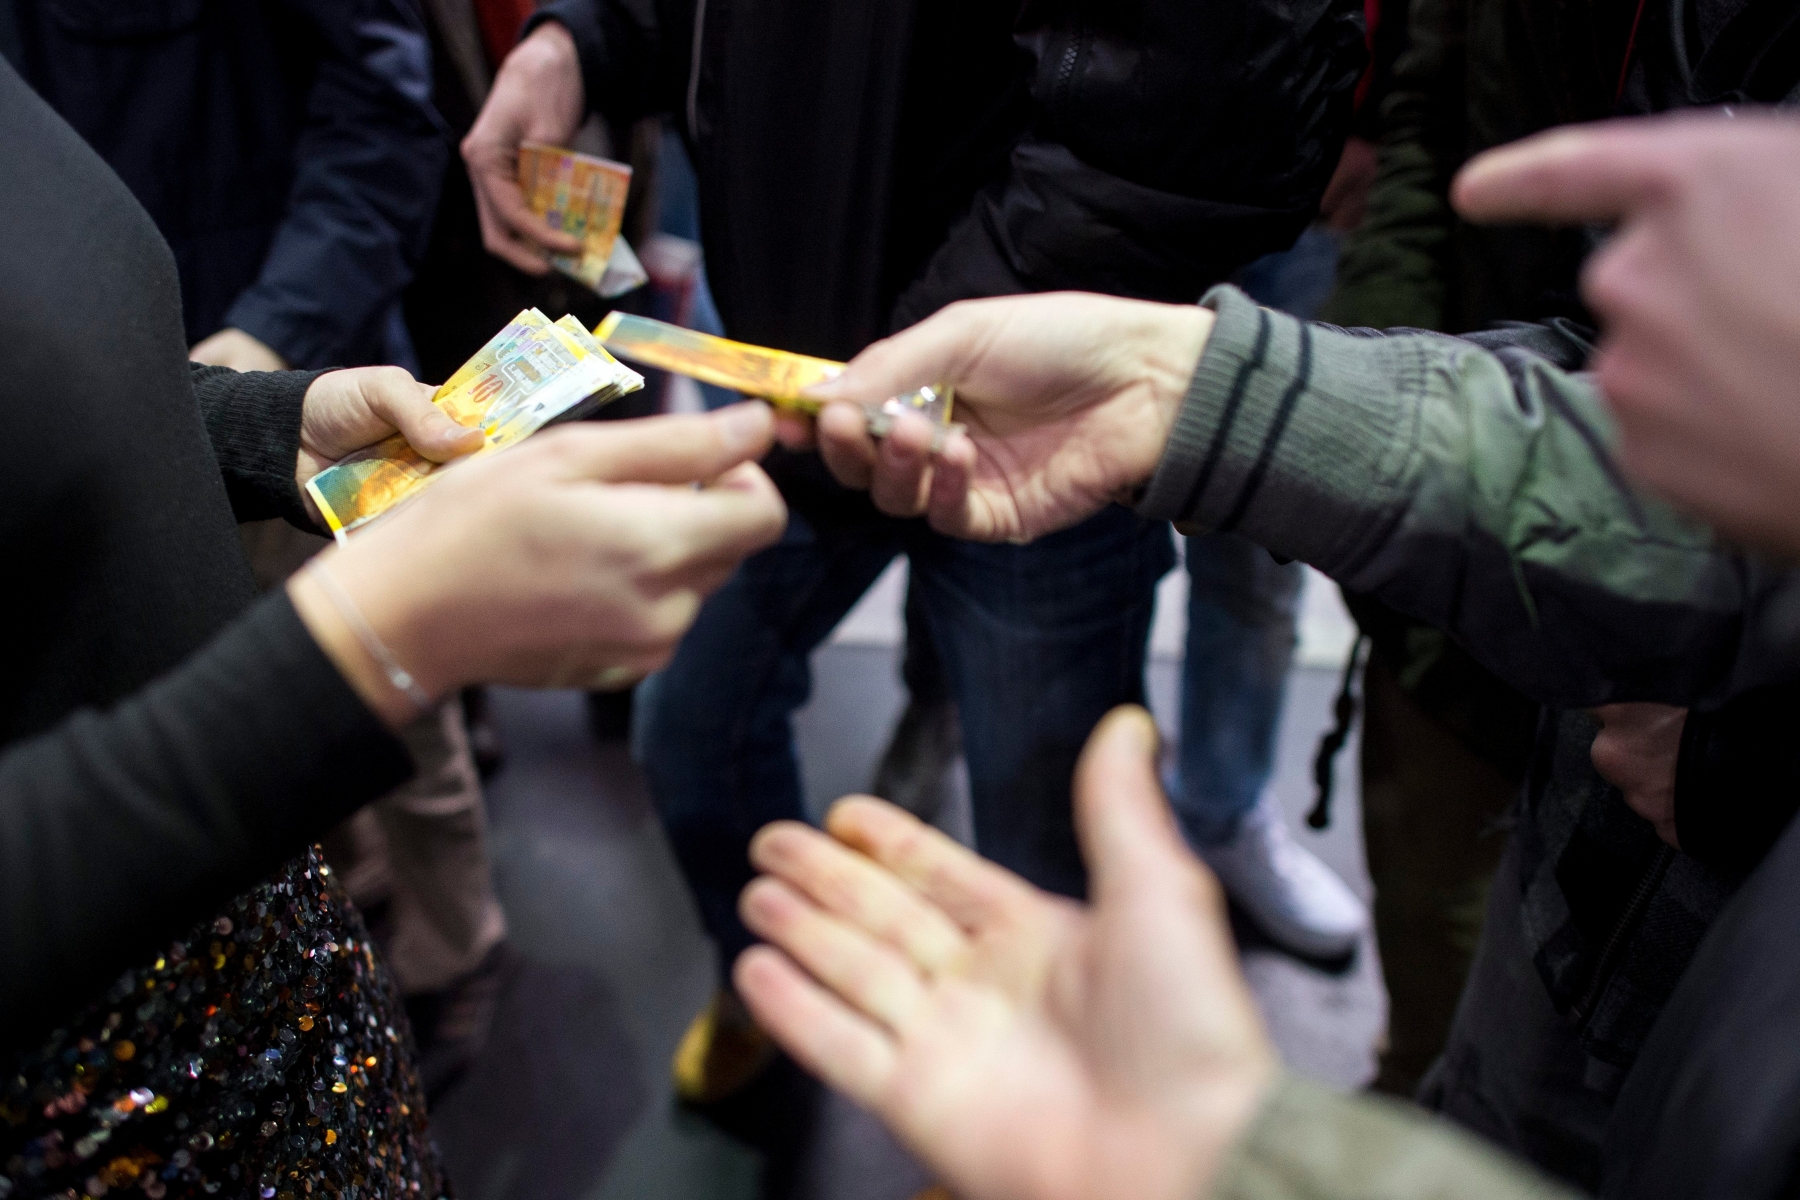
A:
x: 1037, y: 642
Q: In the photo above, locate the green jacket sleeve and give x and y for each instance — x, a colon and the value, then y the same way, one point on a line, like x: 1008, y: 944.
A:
x: 1307, y: 1143
x: 1473, y: 488
x: 1393, y: 269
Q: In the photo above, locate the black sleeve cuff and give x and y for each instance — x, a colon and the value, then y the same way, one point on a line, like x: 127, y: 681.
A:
x: 1737, y: 780
x: 253, y: 420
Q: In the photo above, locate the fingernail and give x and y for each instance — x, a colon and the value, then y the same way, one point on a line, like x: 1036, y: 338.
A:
x: 744, y: 426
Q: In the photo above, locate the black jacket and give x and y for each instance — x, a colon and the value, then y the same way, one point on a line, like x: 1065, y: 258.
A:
x: 864, y: 162
x: 166, y: 740
x: 1712, y: 1109
x: 287, y: 150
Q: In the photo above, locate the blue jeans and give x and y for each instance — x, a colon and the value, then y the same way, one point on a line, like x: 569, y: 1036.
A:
x: 1241, y: 610
x: 1038, y: 642
x: 1240, y: 641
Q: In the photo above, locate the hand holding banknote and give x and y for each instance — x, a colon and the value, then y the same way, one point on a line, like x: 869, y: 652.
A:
x: 1067, y: 400
x: 537, y: 97
x: 578, y: 554
x: 346, y: 411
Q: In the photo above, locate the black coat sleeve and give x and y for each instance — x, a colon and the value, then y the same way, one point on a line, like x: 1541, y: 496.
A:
x: 635, y: 54
x: 120, y: 828
x: 1174, y: 142
x: 253, y: 421
x: 1737, y: 780
x: 367, y: 170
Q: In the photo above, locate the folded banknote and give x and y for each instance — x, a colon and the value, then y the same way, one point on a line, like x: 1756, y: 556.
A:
x: 585, y: 196
x: 777, y: 376
x: 530, y: 374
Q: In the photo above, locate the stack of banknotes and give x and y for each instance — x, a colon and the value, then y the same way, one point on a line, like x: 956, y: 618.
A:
x: 780, y: 377
x: 529, y: 375
x: 584, y: 196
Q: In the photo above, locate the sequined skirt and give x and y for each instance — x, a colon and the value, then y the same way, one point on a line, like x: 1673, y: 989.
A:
x: 265, y: 1055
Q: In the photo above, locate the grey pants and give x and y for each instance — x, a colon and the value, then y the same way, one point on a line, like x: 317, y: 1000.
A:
x: 1513, y: 1070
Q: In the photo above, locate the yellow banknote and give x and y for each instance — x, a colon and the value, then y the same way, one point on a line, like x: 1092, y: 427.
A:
x: 773, y: 375
x: 580, y: 195
x: 531, y: 373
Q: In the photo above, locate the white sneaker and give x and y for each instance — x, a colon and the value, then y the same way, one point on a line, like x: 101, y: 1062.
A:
x: 1297, y: 900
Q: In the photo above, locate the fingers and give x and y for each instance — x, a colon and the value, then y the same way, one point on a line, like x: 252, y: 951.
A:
x: 1128, y: 834
x: 971, y: 891
x: 509, y: 229
x: 405, y: 404
x: 1585, y: 173
x: 937, y: 350
x: 822, y: 1033
x: 846, y: 445
x: 949, y: 505
x: 676, y: 449
x: 854, y: 888
x: 873, y: 977
x: 903, y: 468
x: 794, y: 431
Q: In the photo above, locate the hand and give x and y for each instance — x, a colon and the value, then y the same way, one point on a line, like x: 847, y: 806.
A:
x: 1021, y: 1045
x: 1346, y: 199
x: 537, y: 97
x: 579, y: 554
x: 238, y: 350
x: 1636, y: 751
x: 1068, y: 399
x: 347, y: 410
x: 1699, y: 292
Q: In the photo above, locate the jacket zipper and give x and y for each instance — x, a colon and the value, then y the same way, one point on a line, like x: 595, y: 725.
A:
x: 1615, y: 943
x: 1065, y: 74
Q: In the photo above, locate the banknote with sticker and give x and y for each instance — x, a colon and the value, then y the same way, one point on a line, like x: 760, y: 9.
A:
x: 532, y: 373
x: 777, y: 376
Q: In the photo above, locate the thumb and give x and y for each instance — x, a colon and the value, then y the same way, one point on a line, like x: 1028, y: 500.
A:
x: 1128, y: 834
x: 405, y: 403
x: 938, y: 350
x: 677, y: 449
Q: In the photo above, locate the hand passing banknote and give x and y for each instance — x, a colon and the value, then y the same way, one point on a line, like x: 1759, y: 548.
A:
x: 584, y: 197
x: 529, y: 375
x: 781, y: 378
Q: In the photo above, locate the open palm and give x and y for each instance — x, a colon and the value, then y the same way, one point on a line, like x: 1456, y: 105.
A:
x: 1022, y: 1045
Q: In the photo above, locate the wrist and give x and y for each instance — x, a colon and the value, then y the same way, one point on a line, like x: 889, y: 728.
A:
x: 548, y: 50
x: 1170, y: 353
x: 1218, y: 1119
x: 371, y: 634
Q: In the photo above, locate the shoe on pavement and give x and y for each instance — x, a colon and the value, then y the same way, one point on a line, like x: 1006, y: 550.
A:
x: 1293, y: 897
x: 722, y: 1052
x: 451, y: 1025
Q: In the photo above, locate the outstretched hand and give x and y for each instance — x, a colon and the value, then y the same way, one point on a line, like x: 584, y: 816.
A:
x: 1067, y: 398
x: 1022, y: 1045
x: 1698, y: 290
x: 347, y: 410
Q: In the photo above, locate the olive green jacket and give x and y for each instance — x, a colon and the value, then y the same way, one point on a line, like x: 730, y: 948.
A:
x: 1469, y: 483
x: 1307, y: 1143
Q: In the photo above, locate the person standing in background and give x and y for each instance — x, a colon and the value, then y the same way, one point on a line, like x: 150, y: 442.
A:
x: 861, y: 165
x: 289, y: 153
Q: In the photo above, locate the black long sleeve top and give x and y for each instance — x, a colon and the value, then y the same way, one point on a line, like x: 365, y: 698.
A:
x: 165, y: 739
